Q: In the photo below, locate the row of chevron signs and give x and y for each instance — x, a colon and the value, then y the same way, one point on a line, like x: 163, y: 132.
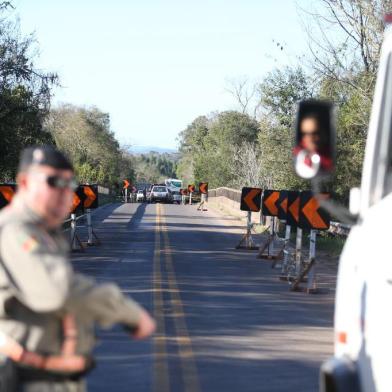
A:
x: 300, y: 209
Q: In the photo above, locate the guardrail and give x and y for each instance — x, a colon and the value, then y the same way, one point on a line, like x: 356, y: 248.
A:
x: 8, y: 190
x: 232, y: 194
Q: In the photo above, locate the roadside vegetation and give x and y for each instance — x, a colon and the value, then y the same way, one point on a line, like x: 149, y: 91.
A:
x: 84, y: 133
x: 247, y: 147
x: 154, y: 167
x: 252, y: 147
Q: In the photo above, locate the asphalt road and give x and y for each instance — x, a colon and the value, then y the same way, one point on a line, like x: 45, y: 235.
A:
x: 225, y: 322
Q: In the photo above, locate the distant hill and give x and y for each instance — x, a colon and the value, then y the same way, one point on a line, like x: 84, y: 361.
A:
x: 135, y: 150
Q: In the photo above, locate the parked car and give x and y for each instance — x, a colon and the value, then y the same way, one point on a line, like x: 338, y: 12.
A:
x: 140, y: 196
x: 160, y: 193
x: 176, y: 197
x: 148, y: 192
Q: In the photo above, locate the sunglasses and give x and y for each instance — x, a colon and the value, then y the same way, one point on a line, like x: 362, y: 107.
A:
x: 315, y: 133
x: 61, y: 183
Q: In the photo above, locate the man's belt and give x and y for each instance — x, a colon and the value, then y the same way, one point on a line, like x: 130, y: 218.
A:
x: 67, y: 362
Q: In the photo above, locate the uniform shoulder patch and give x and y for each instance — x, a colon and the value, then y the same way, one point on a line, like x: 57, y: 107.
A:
x: 30, y: 244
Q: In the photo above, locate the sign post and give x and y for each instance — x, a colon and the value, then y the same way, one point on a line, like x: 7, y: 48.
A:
x: 183, y: 196
x: 90, y: 202
x: 286, y: 254
x: 311, y: 217
x: 270, y: 208
x: 73, y: 231
x: 89, y: 228
x: 282, y: 205
x: 298, y: 252
x: 85, y: 199
x: 288, y: 271
x: 250, y: 202
x: 191, y: 189
x: 125, y: 187
x: 311, y: 285
x: 74, y: 235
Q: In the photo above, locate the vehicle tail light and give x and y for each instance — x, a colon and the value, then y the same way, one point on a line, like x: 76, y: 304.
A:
x: 341, y: 337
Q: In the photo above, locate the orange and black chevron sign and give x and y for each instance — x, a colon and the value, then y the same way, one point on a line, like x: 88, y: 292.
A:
x: 191, y: 188
x: 293, y: 202
x: 270, y: 200
x: 7, y: 192
x: 203, y: 187
x: 251, y: 199
x: 126, y: 184
x: 311, y: 216
x: 86, y: 196
x: 282, y: 205
x: 78, y: 200
x: 91, y: 196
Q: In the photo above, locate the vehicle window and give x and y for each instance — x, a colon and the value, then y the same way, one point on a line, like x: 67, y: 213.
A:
x: 159, y: 189
x: 177, y: 184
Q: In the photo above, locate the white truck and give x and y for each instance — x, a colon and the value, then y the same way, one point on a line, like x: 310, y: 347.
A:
x: 174, y: 185
x: 363, y: 313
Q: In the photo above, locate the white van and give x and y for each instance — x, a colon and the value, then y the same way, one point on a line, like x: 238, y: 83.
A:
x: 363, y: 311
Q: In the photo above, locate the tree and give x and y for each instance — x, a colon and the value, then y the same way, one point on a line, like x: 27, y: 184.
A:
x: 345, y: 38
x: 246, y: 170
x: 154, y: 167
x: 24, y: 95
x: 344, y: 58
x: 84, y: 134
x: 244, y: 92
x: 208, y: 146
x: 280, y: 92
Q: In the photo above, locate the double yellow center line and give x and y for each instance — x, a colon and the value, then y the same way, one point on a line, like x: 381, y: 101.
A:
x: 161, y: 270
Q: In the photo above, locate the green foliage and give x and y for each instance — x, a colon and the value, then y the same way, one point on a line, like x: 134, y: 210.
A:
x: 24, y: 96
x: 279, y: 94
x: 342, y: 69
x: 85, y: 136
x: 352, y: 124
x: 208, y: 147
x: 223, y: 149
x: 154, y: 167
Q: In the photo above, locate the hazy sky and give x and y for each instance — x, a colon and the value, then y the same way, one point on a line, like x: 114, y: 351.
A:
x: 155, y: 65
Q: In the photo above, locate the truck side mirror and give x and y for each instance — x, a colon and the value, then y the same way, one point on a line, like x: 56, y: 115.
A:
x: 314, y: 151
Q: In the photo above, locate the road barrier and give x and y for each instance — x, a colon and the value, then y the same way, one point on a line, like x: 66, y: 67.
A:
x: 250, y: 202
x: 293, y: 209
x: 270, y: 208
x: 191, y: 190
x: 183, y: 193
x: 6, y: 193
x: 85, y: 199
x: 233, y: 196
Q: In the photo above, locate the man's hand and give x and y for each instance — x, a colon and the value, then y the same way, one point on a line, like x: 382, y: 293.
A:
x: 146, y: 326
